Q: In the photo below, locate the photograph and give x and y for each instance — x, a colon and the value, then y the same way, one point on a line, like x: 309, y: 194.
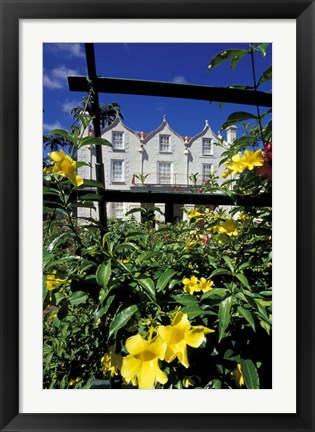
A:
x: 157, y: 215
x: 170, y: 285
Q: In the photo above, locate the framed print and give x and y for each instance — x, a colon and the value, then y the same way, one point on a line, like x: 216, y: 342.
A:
x: 30, y: 398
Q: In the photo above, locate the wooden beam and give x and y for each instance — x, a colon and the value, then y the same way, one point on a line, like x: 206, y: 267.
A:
x: 166, y: 89
x: 110, y: 195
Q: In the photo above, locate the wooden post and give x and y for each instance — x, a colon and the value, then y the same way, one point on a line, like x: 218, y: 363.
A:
x: 99, y: 166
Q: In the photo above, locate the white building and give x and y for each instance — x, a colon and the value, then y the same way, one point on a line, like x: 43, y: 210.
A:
x: 159, y: 160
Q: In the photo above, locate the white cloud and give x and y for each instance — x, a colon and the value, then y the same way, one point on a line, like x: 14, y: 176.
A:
x: 57, y: 78
x: 50, y: 126
x: 67, y: 106
x: 73, y: 50
x: 51, y: 83
x: 180, y: 79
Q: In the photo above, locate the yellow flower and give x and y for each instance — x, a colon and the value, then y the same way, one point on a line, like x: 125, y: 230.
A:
x: 52, y: 282
x: 252, y: 159
x: 142, y: 363
x: 227, y: 173
x: 236, y: 166
x: 111, y: 362
x: 205, y: 285
x: 188, y: 381
x: 180, y: 334
x: 229, y: 227
x: 243, y: 217
x: 194, y: 285
x: 194, y: 213
x: 190, y: 285
x: 72, y: 382
x: 65, y: 166
x: 241, y: 162
x: 238, y: 376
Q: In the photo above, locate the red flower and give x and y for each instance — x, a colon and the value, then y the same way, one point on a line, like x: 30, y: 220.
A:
x: 266, y: 170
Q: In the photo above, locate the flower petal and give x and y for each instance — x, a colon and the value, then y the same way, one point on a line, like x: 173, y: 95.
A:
x: 56, y: 156
x: 161, y: 376
x: 181, y: 321
x: 130, y: 367
x: 166, y: 333
x: 146, y: 375
x: 195, y: 337
x: 136, y: 344
x: 182, y: 357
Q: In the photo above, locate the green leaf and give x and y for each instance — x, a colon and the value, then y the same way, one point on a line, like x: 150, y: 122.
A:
x: 224, y: 316
x: 62, y: 133
x: 268, y: 132
x: 99, y: 313
x: 121, y: 319
x: 78, y: 297
x: 216, y: 384
x: 126, y: 246
x: 63, y: 311
x: 164, y: 279
x: 57, y: 241
x: 229, y: 263
x: 238, y: 117
x: 220, y: 292
x: 92, y: 183
x: 63, y: 260
x: 266, y: 76
x: 148, y: 286
x: 248, y: 316
x: 243, y: 280
x: 265, y: 326
x: 94, y: 141
x: 195, y: 310
x: 262, y: 48
x: 103, y: 274
x: 185, y: 299
x: 91, y: 197
x: 235, y: 55
x: 219, y: 271
x: 250, y: 374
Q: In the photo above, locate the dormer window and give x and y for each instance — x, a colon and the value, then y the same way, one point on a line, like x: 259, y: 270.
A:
x: 118, y: 140
x: 207, y: 147
x: 165, y: 146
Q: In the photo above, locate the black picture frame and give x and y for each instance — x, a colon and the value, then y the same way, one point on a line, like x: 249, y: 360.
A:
x: 11, y: 11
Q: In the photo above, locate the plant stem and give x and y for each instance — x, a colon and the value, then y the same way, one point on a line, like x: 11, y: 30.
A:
x: 69, y: 214
x: 255, y: 89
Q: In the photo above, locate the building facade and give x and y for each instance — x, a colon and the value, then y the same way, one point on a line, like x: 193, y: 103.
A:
x: 159, y: 160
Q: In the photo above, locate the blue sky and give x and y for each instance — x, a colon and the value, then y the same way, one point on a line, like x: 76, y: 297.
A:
x: 170, y: 62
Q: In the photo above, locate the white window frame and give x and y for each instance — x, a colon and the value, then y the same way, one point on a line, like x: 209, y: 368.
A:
x: 117, y: 206
x: 205, y: 142
x: 122, y: 179
x: 115, y: 133
x: 203, y: 176
x: 159, y: 174
x: 161, y: 136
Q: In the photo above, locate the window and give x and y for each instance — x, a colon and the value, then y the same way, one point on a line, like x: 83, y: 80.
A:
x: 164, y: 172
x: 165, y: 144
x: 207, y: 148
x: 118, y: 210
x: 117, y: 171
x: 118, y: 140
x: 206, y: 170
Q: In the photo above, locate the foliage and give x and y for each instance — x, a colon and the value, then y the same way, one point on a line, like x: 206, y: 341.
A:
x: 187, y: 305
